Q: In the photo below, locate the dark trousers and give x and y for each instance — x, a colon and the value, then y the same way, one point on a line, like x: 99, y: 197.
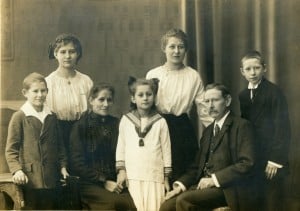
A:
x: 96, y: 197
x: 271, y: 194
x: 196, y: 200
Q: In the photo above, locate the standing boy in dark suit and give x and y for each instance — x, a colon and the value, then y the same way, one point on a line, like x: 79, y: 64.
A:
x: 221, y: 172
x: 263, y: 104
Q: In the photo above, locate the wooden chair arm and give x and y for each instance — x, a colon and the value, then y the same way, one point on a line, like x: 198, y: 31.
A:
x: 14, y: 191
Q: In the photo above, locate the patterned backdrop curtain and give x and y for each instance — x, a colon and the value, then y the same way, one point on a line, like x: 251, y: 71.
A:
x: 223, y: 30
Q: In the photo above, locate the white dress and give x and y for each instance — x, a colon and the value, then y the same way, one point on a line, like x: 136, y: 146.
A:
x: 145, y: 164
x: 178, y: 89
x: 68, y: 97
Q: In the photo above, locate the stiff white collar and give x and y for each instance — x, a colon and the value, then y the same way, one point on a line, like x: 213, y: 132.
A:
x: 221, y: 121
x: 253, y: 86
x: 28, y: 110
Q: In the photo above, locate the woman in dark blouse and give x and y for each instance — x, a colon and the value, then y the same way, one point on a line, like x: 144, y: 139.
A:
x: 92, y: 156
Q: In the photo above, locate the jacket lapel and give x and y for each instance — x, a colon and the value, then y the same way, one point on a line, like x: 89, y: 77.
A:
x: 207, y: 139
x: 45, y: 127
x: 205, y: 144
x: 259, y: 101
x: 224, y: 129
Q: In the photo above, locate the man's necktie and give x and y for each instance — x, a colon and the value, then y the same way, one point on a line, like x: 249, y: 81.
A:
x: 216, y: 130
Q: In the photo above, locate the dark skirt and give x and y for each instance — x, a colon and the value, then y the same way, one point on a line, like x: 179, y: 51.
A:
x: 66, y: 127
x: 96, y: 197
x: 184, y: 143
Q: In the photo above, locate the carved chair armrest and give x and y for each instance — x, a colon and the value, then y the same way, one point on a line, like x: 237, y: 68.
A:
x: 14, y: 191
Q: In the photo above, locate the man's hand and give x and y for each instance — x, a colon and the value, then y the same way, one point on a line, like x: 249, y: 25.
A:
x: 205, y: 183
x: 270, y: 171
x: 20, y: 178
x: 173, y: 193
x: 64, y: 172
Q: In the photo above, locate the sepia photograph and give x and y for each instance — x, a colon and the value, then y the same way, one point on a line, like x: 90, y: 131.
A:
x: 150, y: 105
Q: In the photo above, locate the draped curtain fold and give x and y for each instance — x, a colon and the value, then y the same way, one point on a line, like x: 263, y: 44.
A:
x: 221, y: 31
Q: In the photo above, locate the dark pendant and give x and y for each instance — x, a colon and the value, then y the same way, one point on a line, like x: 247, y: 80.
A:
x: 141, y: 143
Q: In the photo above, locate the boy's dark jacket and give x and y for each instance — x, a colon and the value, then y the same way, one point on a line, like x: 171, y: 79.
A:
x: 35, y: 148
x: 269, y: 115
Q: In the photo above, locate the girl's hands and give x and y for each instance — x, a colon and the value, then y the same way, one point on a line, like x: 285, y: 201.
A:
x: 177, y: 190
x: 167, y: 185
x: 122, y: 178
x: 64, y: 172
x: 20, y: 178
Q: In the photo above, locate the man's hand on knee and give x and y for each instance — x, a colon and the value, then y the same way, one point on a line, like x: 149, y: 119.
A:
x: 205, y: 183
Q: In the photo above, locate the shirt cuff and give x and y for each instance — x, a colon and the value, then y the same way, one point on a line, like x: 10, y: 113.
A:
x: 275, y: 164
x: 213, y: 176
x: 177, y: 183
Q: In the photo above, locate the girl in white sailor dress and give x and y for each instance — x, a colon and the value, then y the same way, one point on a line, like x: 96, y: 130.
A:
x: 143, y: 156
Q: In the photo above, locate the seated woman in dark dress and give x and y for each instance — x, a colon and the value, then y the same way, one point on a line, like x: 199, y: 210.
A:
x: 93, y: 142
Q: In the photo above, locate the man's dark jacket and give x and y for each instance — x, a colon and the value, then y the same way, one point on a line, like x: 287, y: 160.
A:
x: 232, y: 162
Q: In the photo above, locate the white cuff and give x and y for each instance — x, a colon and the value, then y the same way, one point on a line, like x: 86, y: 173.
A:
x: 177, y: 183
x: 213, y: 176
x: 275, y: 164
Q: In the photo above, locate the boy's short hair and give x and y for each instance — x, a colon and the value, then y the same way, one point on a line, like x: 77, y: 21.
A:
x: 32, y: 78
x: 178, y: 33
x: 254, y: 54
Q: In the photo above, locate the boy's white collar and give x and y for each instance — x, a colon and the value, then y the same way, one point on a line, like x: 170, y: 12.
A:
x: 28, y: 110
x: 253, y: 86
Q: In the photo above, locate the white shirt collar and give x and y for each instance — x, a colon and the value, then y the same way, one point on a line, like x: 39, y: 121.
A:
x: 222, y: 120
x: 253, y: 86
x: 28, y: 110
